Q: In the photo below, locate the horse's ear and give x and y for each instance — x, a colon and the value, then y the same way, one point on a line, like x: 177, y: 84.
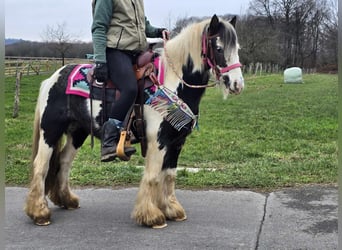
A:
x: 214, y: 25
x: 233, y: 21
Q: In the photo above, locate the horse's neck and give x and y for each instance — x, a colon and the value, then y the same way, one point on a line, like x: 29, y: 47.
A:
x: 178, y: 51
x: 192, y: 96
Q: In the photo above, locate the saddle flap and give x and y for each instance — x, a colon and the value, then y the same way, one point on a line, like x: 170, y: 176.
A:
x: 143, y: 71
x: 145, y: 58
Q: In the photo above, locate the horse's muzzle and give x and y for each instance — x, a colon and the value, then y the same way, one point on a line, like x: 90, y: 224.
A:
x: 233, y: 87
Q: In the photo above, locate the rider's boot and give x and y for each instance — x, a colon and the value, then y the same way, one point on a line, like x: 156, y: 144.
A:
x: 110, y: 137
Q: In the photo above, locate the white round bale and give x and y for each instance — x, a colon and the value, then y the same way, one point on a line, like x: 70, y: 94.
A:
x: 293, y: 75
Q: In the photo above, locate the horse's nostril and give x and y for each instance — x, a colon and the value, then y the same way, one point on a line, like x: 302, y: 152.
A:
x: 226, y: 80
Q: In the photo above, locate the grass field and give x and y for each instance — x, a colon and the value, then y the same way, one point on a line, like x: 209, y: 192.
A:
x: 271, y: 136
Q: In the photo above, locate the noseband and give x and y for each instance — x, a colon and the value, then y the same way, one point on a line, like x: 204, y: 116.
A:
x: 209, y: 58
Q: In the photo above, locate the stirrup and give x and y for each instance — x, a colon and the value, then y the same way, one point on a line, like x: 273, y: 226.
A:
x: 124, y: 150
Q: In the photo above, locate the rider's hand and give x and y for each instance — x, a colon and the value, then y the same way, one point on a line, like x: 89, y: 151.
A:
x: 101, y: 72
x: 163, y: 30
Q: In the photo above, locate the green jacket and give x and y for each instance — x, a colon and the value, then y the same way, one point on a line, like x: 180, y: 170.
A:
x: 120, y: 24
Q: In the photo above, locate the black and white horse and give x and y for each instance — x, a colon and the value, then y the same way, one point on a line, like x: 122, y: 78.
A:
x: 188, y: 58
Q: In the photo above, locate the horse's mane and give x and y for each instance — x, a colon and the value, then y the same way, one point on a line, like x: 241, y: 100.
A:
x: 189, y: 43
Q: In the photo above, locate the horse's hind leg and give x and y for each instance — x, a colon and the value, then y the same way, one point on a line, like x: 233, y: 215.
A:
x: 60, y: 193
x: 36, y: 204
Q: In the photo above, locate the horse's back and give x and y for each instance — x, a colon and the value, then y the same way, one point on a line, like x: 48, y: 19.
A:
x: 58, y: 111
x: 58, y: 80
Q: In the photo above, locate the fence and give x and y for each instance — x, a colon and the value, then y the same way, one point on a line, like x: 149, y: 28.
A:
x: 36, y: 65
x: 47, y: 65
x: 269, y: 68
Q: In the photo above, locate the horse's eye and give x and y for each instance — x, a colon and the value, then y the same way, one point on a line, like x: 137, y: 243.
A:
x: 219, y: 49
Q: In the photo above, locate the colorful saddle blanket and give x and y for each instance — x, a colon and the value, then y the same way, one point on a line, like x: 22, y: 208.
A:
x: 160, y: 69
x: 78, y: 83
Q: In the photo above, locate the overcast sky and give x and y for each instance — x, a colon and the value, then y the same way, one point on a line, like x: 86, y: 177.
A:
x: 27, y: 19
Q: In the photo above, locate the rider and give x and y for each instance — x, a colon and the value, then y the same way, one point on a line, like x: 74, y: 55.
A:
x: 119, y: 31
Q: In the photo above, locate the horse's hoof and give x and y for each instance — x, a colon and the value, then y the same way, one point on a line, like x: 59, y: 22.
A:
x: 72, y: 208
x: 42, y: 222
x: 159, y: 226
x: 71, y: 204
x: 181, y: 219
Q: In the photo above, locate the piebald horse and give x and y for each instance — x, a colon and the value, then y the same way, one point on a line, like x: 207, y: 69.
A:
x: 188, y: 59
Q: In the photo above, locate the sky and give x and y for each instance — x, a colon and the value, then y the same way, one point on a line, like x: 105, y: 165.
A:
x: 28, y: 19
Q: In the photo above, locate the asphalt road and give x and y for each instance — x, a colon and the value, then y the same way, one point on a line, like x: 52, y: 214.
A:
x: 303, y: 218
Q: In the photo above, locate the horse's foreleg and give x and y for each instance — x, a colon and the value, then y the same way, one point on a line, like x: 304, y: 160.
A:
x: 156, y: 199
x: 60, y: 194
x: 146, y: 210
x: 36, y: 206
x: 171, y: 207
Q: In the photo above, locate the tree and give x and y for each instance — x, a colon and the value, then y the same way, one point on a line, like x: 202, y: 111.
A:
x: 258, y: 41
x: 183, y: 22
x: 300, y: 28
x: 329, y: 40
x: 58, y: 39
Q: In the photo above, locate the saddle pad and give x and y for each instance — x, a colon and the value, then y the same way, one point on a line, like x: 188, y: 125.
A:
x: 77, y: 81
x: 160, y: 68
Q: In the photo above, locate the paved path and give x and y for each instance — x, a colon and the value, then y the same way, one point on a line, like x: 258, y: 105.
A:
x: 304, y: 218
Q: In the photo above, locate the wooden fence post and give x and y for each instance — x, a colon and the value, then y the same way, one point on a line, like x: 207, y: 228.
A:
x: 16, y: 95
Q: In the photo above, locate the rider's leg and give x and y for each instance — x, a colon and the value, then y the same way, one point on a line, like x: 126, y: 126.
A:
x: 120, y: 67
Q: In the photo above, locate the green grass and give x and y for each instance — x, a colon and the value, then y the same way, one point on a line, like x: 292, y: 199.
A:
x: 273, y: 135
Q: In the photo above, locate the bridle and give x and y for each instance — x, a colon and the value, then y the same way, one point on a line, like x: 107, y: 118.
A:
x: 208, y: 59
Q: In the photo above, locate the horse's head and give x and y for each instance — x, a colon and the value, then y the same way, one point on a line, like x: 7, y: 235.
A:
x: 220, y: 47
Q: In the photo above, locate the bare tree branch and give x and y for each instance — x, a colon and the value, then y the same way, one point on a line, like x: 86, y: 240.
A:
x: 59, y: 39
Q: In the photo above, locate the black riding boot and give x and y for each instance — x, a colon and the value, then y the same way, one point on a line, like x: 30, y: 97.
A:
x: 110, y: 138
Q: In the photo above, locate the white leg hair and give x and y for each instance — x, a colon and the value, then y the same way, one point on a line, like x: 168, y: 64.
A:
x: 36, y: 204
x: 156, y: 199
x: 172, y: 209
x: 146, y: 210
x: 61, y: 194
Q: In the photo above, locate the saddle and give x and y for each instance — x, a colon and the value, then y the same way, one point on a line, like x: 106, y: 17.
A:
x: 134, y: 125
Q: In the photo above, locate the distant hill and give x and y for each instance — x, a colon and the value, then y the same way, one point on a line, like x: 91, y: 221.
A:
x: 24, y: 48
x: 9, y: 41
